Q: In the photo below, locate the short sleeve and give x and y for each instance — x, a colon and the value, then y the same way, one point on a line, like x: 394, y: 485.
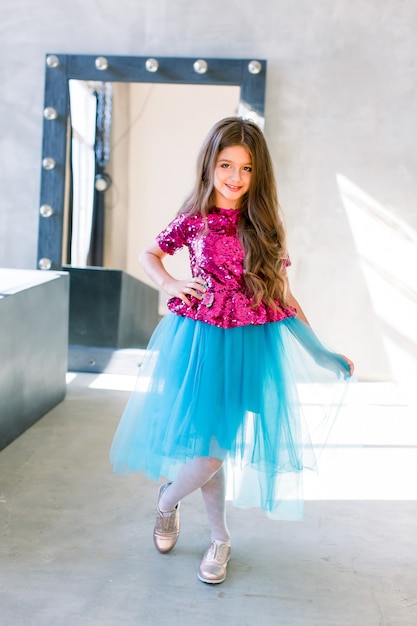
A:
x: 174, y: 236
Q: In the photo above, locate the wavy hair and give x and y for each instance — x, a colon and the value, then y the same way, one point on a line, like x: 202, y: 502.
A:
x: 260, y: 229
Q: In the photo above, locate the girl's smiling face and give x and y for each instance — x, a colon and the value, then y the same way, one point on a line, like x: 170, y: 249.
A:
x: 232, y: 176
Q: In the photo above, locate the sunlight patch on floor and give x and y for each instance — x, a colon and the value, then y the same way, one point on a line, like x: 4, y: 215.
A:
x: 371, y: 453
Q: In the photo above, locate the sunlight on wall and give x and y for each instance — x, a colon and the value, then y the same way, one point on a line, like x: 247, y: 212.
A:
x: 387, y: 249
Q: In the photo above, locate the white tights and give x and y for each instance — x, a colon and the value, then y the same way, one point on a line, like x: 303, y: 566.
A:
x: 207, y: 474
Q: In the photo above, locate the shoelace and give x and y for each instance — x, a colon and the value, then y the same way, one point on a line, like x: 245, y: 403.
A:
x: 217, y: 553
x: 167, y: 520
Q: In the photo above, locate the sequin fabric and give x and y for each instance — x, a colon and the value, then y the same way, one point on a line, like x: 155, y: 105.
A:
x: 217, y: 256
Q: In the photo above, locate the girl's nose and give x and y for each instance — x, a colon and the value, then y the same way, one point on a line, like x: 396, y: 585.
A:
x: 235, y: 174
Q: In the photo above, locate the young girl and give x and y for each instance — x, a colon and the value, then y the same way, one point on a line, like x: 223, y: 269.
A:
x: 221, y: 381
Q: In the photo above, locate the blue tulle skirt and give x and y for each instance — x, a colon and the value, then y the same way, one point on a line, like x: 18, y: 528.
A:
x: 263, y: 398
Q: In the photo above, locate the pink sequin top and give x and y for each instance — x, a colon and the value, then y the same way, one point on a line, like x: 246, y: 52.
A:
x: 218, y: 257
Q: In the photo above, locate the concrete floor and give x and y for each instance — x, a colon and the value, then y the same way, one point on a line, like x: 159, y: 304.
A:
x: 76, y: 546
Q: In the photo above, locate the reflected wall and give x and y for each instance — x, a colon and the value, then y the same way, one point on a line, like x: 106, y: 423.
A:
x: 157, y: 132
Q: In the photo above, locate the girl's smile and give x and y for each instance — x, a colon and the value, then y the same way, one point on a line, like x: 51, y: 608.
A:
x: 232, y: 176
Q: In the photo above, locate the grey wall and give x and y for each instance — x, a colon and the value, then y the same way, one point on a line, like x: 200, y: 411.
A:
x: 340, y: 120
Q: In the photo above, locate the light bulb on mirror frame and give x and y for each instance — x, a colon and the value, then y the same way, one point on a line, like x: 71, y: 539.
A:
x: 102, y: 63
x: 45, y: 263
x: 102, y: 181
x: 52, y: 61
x: 46, y: 210
x: 245, y: 112
x: 50, y: 113
x: 48, y: 163
x: 254, y: 67
x: 200, y: 66
x: 151, y: 65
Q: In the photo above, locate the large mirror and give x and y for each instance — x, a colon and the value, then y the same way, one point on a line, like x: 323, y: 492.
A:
x: 137, y: 143
x: 120, y: 139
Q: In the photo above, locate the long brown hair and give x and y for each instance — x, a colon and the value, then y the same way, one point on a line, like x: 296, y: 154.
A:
x: 260, y: 229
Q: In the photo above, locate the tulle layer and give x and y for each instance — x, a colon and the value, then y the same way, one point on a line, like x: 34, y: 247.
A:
x: 263, y: 398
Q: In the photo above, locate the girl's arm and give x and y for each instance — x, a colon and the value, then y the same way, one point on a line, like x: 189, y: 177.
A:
x: 151, y: 261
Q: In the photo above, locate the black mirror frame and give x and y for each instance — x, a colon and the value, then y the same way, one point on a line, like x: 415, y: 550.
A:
x: 248, y: 74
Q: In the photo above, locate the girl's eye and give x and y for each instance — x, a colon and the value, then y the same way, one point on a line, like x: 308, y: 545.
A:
x: 247, y: 168
x: 225, y: 165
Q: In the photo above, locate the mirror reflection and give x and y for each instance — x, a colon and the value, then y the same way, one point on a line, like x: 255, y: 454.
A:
x: 133, y: 153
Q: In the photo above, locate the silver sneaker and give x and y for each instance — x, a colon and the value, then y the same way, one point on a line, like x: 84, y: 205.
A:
x: 167, y: 526
x: 213, y: 566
